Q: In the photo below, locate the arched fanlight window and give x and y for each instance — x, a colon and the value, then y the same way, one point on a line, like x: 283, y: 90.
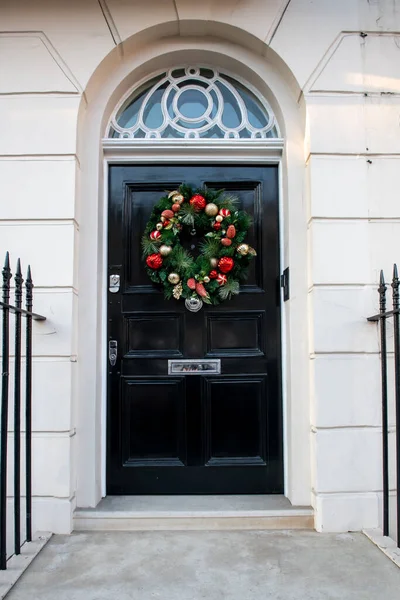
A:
x: 193, y: 102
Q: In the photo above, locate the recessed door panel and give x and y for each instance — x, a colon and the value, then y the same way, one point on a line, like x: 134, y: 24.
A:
x: 153, y: 423
x: 235, y: 334
x: 144, y: 339
x: 236, y: 410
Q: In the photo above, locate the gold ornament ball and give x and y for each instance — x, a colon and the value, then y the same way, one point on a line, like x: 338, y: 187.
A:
x: 165, y: 250
x: 213, y: 262
x: 243, y: 249
x: 159, y: 226
x: 174, y: 278
x: 211, y: 209
x: 177, y: 199
x: 218, y: 218
x: 206, y: 279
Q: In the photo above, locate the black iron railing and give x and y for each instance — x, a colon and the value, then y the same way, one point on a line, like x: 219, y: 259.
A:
x: 6, y: 309
x: 382, y: 317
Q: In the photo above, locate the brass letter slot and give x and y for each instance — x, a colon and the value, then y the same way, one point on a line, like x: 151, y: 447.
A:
x: 194, y: 367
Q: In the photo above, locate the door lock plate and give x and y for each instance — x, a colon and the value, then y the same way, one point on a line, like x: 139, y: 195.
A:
x: 112, y: 352
x: 114, y: 283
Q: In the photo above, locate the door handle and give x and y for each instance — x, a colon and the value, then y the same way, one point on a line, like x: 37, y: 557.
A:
x: 112, y: 352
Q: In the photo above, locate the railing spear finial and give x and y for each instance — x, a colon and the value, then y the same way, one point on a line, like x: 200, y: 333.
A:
x: 382, y: 292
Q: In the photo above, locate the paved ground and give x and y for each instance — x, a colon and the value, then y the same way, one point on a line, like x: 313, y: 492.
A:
x: 233, y: 565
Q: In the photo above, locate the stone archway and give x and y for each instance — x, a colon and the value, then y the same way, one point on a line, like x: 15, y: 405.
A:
x: 142, y: 55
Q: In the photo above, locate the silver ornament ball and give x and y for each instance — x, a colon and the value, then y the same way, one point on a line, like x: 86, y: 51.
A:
x: 174, y: 278
x: 211, y: 209
x: 243, y: 249
x: 165, y: 250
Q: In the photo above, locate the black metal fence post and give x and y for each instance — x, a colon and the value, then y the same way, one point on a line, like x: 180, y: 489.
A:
x: 5, y: 310
x: 382, y: 317
x: 396, y: 306
x: 17, y: 411
x: 385, y: 446
x: 28, y: 405
x: 4, y: 413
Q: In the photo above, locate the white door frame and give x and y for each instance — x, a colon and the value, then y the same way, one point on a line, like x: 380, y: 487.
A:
x: 260, y: 151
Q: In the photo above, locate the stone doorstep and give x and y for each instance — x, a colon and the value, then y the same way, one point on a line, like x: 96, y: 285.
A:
x: 130, y: 514
x: 17, y: 565
x: 385, y: 544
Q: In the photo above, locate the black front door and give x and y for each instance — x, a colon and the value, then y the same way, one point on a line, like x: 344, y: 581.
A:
x: 193, y: 434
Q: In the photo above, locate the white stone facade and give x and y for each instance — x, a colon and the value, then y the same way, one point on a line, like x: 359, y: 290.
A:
x: 331, y: 72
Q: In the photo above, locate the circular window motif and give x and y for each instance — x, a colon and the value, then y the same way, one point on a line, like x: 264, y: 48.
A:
x: 192, y: 104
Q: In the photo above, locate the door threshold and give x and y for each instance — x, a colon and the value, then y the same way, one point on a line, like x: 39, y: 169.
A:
x: 193, y: 513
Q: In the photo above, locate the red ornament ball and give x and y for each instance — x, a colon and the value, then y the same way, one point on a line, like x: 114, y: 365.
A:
x: 217, y: 226
x: 155, y: 235
x: 154, y: 261
x: 222, y: 279
x: 213, y: 274
x: 226, y: 264
x: 198, y: 202
x: 224, y: 212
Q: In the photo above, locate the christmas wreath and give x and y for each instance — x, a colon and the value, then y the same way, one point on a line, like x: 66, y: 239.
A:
x: 216, y: 273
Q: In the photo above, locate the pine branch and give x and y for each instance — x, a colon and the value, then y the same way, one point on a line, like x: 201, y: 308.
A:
x: 149, y: 246
x: 210, y: 247
x: 231, y: 288
x: 186, y: 191
x: 180, y: 260
x: 228, y: 201
x: 187, y: 213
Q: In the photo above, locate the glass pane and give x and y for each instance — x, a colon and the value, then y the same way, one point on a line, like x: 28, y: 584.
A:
x: 196, y: 82
x: 215, y: 104
x: 191, y: 125
x: 192, y: 104
x: 178, y: 73
x: 256, y: 115
x: 128, y: 115
x: 231, y: 115
x: 170, y: 98
x: 207, y: 73
x: 152, y: 116
x: 171, y: 132
x: 214, y: 132
x: 272, y: 133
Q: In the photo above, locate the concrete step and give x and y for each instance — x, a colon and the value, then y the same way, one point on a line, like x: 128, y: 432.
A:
x: 193, y: 513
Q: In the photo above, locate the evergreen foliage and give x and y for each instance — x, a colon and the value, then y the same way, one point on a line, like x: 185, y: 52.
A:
x: 182, y: 262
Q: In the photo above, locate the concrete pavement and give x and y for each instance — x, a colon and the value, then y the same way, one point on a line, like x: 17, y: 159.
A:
x: 212, y: 565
